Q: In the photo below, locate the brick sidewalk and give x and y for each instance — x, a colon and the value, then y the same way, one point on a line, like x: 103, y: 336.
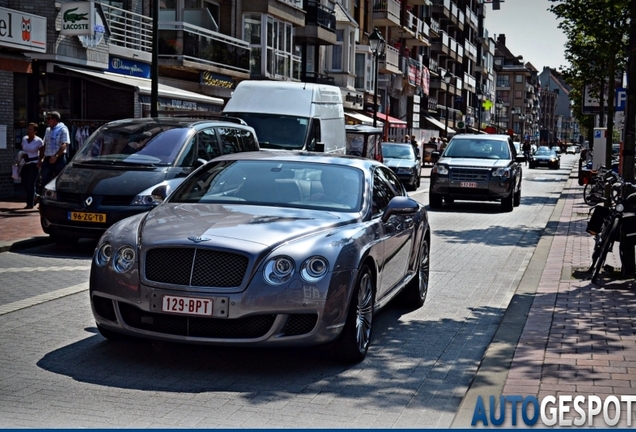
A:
x: 579, y: 338
x: 17, y: 223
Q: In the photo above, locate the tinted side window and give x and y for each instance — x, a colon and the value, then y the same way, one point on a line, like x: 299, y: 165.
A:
x: 393, y: 181
x: 208, y: 145
x: 382, y: 192
x: 249, y: 140
x: 371, y: 146
x: 230, y: 142
x: 187, y: 158
x: 314, y: 135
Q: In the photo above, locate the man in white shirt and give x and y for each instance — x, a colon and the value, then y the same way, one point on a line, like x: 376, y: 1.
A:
x: 52, y: 158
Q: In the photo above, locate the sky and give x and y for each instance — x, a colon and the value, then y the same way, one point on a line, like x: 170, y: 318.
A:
x: 531, y: 31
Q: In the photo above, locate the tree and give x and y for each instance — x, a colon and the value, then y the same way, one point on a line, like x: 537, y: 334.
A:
x: 597, y: 32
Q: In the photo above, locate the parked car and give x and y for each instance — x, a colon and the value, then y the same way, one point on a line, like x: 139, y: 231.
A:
x: 266, y: 249
x: 129, y: 166
x: 365, y: 141
x: 570, y: 150
x: 545, y: 157
x: 401, y: 158
x: 477, y: 168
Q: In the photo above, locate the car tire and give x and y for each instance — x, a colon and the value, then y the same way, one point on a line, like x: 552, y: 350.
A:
x: 417, y: 182
x: 414, y: 294
x: 353, y: 343
x: 435, y: 200
x: 530, y: 166
x: 507, y: 203
x: 517, y: 199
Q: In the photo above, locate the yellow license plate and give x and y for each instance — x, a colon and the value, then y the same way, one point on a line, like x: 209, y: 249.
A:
x: 87, y: 217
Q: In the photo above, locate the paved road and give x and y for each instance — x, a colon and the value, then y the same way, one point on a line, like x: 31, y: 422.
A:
x: 56, y: 371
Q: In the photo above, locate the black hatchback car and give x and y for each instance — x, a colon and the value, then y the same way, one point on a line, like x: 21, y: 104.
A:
x: 477, y: 168
x: 401, y: 158
x: 129, y: 166
x: 545, y: 157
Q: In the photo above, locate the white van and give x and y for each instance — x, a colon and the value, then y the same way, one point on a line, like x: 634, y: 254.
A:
x: 290, y: 115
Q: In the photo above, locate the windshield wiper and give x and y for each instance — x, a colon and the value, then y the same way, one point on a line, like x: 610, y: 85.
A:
x: 113, y: 163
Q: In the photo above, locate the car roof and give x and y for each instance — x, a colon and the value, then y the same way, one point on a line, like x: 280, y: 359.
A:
x: 397, y: 143
x: 482, y: 137
x: 184, y: 122
x: 302, y: 156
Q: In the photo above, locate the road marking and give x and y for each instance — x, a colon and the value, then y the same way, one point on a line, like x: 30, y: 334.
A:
x: 42, y: 298
x: 41, y: 269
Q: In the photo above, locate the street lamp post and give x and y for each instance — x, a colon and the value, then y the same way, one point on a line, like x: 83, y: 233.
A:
x: 447, y: 79
x: 498, y: 107
x: 154, y: 69
x: 377, y: 43
x: 479, y: 95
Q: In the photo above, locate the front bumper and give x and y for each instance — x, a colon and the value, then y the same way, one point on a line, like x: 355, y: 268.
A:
x: 293, y: 314
x: 55, y: 218
x: 490, y: 189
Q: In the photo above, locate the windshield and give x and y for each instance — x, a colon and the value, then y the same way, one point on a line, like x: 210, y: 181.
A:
x: 145, y: 144
x: 275, y: 131
x: 275, y: 183
x: 397, y: 151
x: 544, y: 151
x: 480, y: 149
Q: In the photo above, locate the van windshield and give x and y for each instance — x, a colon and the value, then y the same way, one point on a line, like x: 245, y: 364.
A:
x: 147, y: 144
x: 275, y: 131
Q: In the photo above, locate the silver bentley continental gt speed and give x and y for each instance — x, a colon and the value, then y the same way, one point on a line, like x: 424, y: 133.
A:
x: 266, y: 249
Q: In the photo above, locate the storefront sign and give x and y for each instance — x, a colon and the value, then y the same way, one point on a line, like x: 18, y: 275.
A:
x: 216, y: 80
x: 78, y: 18
x: 22, y: 30
x: 128, y: 67
x: 352, y: 100
x: 179, y: 104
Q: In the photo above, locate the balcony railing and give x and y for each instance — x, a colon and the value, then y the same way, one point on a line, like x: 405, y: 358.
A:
x: 470, y: 48
x: 321, y: 15
x: 435, y: 26
x: 433, y: 66
x: 182, y: 40
x: 425, y: 30
x: 391, y: 57
x: 445, y: 3
x: 391, y: 7
x: 128, y: 29
x: 296, y: 3
x: 470, y: 82
x: 460, y: 51
x: 472, y: 17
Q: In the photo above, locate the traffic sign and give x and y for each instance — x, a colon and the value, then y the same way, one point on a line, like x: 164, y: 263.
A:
x: 461, y: 125
x: 620, y: 99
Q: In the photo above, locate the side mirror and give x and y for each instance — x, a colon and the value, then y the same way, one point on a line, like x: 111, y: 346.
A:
x: 520, y: 158
x: 400, y: 206
x: 435, y: 156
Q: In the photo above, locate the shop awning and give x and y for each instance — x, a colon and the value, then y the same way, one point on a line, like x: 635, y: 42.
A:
x: 362, y: 118
x: 393, y: 122
x: 439, y: 125
x: 143, y: 86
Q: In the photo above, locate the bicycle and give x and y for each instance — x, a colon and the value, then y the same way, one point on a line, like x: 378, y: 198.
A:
x: 594, y: 191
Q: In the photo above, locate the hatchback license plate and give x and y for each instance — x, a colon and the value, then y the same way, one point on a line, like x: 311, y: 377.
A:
x: 468, y: 184
x: 87, y: 217
x: 187, y: 305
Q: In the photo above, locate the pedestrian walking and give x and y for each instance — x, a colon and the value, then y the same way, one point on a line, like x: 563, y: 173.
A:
x: 53, y: 153
x: 31, y: 145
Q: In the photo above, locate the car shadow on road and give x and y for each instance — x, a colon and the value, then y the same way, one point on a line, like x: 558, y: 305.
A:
x: 412, y: 361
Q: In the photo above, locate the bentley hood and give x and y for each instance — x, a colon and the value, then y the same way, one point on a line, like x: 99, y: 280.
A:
x: 223, y: 224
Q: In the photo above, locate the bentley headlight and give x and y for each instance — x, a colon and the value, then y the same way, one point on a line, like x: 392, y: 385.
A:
x: 502, y: 172
x: 278, y: 270
x: 440, y: 169
x: 314, y: 269
x: 124, y: 259
x: 103, y: 254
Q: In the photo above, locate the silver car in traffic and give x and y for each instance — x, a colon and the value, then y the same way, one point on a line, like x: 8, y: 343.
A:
x: 266, y: 249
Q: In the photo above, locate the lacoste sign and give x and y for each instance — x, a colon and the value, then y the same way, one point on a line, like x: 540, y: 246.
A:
x: 78, y: 18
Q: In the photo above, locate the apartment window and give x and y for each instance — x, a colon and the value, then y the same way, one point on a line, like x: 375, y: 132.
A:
x: 518, y: 78
x: 336, y: 52
x: 518, y: 94
x: 272, y: 52
x: 503, y: 81
x: 364, y: 72
x: 504, y: 95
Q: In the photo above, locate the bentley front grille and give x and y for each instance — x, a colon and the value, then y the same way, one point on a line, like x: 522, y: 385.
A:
x: 195, y: 267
